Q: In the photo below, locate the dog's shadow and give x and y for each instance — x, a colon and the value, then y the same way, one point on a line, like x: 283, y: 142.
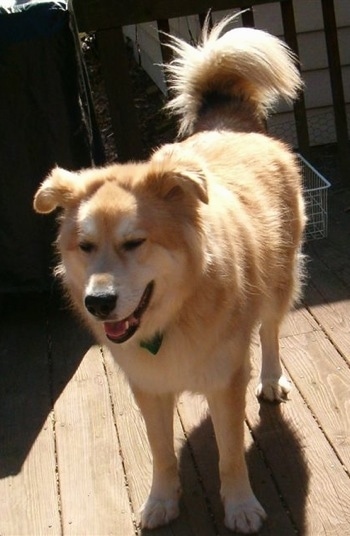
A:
x: 279, y: 470
x: 278, y: 474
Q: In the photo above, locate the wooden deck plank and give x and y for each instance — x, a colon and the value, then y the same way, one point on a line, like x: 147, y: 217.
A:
x: 329, y: 303
x: 333, y: 251
x: 299, y: 320
x: 330, y: 256
x: 195, y: 500
x: 309, y: 475
x: 323, y: 379
x: 29, y: 502
x: 194, y: 517
x: 193, y: 413
x: 94, y: 498
x: 339, y: 221
x: 131, y: 432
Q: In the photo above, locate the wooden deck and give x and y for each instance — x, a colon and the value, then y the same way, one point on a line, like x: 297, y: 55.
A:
x: 74, y: 458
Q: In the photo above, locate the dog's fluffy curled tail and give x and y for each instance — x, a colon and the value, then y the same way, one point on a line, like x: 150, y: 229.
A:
x: 243, y: 64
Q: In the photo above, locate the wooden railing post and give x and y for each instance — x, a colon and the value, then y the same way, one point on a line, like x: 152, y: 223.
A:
x: 164, y: 28
x: 330, y: 28
x: 115, y: 69
x: 290, y: 35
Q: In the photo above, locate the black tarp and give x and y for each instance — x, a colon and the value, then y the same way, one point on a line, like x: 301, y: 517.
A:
x: 46, y: 119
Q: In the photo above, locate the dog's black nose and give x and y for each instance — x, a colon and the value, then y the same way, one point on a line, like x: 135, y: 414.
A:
x: 100, y: 305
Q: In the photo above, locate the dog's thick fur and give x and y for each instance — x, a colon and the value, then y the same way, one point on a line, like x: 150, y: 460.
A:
x: 183, y: 255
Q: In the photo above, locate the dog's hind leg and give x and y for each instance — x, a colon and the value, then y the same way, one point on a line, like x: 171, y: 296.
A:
x: 273, y: 386
x: 162, y: 504
x: 243, y: 512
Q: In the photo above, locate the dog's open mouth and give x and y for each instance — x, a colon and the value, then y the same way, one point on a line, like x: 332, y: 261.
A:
x: 123, y: 330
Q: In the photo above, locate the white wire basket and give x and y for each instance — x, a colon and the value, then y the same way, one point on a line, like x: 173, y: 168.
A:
x: 315, y: 195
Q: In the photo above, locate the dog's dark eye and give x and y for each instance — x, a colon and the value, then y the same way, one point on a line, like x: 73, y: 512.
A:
x: 87, y: 247
x: 133, y: 244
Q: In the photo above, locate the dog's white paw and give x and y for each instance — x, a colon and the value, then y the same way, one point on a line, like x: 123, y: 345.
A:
x: 246, y: 517
x: 156, y: 512
x: 274, y: 389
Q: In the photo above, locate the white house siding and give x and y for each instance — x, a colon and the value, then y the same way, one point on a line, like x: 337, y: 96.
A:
x: 312, y: 53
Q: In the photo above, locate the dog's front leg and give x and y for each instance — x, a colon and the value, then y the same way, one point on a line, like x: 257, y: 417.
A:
x: 243, y: 513
x: 162, y: 504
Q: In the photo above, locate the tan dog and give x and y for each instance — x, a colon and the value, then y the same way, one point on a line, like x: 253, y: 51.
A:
x: 173, y: 261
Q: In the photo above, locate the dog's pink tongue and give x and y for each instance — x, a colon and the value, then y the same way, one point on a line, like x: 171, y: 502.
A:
x: 115, y: 329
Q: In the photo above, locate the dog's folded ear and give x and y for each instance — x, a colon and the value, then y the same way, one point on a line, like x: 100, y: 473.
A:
x: 174, y: 174
x: 59, y: 189
x: 188, y: 182
x: 65, y: 189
